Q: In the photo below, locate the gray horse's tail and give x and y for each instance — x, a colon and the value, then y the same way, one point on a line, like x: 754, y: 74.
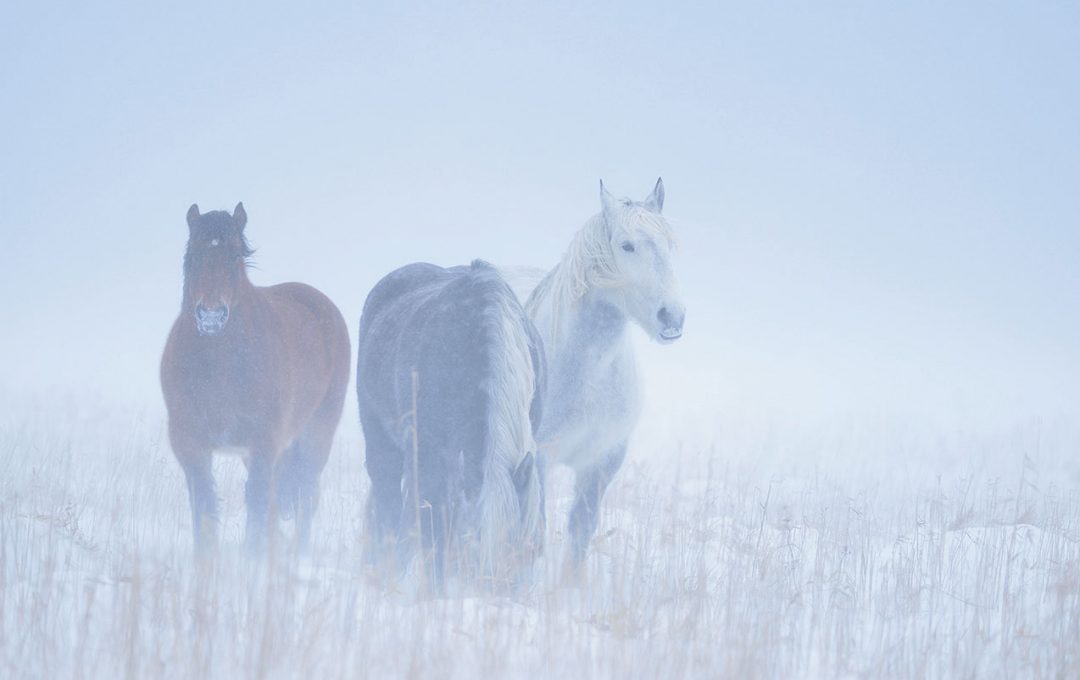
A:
x: 510, y: 504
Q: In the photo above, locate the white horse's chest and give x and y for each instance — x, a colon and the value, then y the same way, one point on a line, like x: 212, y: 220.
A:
x: 594, y: 407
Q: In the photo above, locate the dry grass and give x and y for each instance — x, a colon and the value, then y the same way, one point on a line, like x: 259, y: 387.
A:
x: 739, y: 557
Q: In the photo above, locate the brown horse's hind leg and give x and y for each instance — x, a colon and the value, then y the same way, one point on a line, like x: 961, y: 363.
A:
x: 288, y: 485
x: 298, y: 485
x: 198, y: 469
x: 304, y: 465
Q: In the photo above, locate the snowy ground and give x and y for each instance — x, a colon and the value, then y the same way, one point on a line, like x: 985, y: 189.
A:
x: 740, y: 551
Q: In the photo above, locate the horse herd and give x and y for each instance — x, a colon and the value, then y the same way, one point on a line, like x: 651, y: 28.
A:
x: 465, y: 394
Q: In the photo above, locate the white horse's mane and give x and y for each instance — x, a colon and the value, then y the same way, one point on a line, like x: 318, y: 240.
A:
x: 589, y: 262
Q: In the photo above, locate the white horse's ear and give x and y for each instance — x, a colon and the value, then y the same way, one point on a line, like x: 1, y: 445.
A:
x: 655, y: 201
x: 239, y: 216
x: 608, y: 202
x: 193, y: 216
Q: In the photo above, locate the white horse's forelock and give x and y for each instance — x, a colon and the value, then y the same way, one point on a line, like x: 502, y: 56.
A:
x: 589, y: 262
x: 504, y: 524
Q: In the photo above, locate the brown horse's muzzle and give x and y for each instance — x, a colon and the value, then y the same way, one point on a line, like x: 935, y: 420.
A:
x: 211, y: 320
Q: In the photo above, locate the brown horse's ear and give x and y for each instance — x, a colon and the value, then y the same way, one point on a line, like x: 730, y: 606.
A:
x: 193, y: 216
x: 239, y: 216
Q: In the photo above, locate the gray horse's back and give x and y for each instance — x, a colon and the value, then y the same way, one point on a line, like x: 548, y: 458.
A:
x: 428, y: 325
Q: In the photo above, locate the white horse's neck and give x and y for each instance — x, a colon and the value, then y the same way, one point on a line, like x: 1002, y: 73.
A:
x: 579, y: 288
x: 592, y: 383
x: 596, y: 327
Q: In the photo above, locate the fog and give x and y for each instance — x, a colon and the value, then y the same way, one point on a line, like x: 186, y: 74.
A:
x: 873, y: 206
x: 876, y: 207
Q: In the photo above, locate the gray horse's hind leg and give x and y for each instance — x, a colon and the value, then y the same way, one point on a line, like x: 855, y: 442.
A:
x: 589, y: 487
x: 425, y: 528
x: 384, y: 462
x: 428, y: 532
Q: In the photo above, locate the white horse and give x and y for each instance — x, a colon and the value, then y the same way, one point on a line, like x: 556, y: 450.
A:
x: 617, y: 269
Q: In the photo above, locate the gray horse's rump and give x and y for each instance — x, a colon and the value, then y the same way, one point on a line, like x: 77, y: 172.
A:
x: 428, y: 354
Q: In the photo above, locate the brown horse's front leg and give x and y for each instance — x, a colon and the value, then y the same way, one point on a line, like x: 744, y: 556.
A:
x: 198, y: 469
x: 261, y: 498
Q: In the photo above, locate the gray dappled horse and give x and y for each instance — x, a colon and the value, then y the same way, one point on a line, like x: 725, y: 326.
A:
x: 450, y: 376
x: 617, y: 269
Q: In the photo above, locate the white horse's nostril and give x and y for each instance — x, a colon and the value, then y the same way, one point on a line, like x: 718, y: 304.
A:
x: 668, y: 319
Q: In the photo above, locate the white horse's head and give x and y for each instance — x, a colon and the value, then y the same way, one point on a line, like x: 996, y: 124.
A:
x: 643, y: 280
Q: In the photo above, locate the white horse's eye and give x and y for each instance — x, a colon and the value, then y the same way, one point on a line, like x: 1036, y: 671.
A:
x: 628, y: 247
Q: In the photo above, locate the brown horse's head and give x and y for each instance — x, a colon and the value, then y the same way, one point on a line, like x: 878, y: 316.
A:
x: 215, y: 266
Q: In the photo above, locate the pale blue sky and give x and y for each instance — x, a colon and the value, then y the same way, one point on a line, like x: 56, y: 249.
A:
x: 874, y: 202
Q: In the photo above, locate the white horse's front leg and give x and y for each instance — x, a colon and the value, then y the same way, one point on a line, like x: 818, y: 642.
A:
x: 589, y: 487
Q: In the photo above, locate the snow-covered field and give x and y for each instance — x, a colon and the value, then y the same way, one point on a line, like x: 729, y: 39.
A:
x: 725, y: 550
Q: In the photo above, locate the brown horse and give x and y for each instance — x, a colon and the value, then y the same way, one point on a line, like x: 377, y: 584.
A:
x: 260, y: 369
